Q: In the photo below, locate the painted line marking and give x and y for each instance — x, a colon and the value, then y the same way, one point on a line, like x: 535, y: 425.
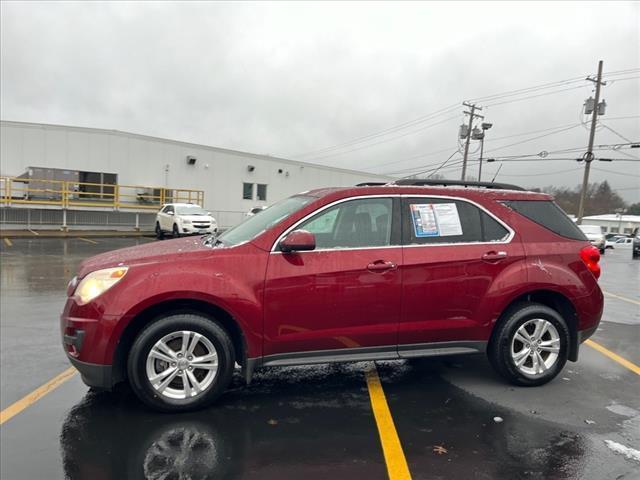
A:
x: 31, y: 398
x: 614, y: 356
x: 87, y: 240
x: 624, y: 299
x: 394, y: 458
x: 8, y: 242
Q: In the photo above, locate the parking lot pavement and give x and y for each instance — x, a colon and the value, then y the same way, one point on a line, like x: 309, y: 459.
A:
x: 453, y: 417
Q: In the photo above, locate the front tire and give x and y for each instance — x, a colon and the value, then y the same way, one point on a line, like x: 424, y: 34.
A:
x: 530, y: 345
x: 181, y: 362
x: 175, y: 231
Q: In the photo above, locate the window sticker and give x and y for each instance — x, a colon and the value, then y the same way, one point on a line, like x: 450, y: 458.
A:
x: 435, y: 219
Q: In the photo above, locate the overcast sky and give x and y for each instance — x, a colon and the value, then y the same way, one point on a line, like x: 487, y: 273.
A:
x: 291, y: 79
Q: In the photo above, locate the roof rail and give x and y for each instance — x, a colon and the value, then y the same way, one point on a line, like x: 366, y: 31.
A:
x: 456, y: 183
x: 372, y: 184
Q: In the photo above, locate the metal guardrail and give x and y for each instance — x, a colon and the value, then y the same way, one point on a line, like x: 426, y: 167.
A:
x: 65, y: 194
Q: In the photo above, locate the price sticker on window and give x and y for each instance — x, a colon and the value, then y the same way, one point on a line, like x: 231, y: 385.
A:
x: 435, y: 219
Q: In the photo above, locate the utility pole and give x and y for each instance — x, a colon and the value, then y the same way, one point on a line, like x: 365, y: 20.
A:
x: 472, y: 115
x: 588, y: 157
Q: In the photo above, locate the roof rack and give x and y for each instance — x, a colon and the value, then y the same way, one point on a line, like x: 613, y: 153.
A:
x: 371, y: 184
x: 456, y: 183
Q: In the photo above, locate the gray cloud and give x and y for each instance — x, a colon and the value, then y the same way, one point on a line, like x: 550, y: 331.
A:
x: 286, y: 78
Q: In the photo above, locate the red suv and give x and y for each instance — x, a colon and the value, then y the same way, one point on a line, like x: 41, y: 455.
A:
x: 372, y: 272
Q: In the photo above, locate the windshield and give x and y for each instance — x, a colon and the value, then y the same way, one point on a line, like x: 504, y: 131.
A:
x: 268, y: 218
x: 190, y: 210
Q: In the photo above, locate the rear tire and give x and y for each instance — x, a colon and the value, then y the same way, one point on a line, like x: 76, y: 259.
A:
x: 181, y: 362
x: 159, y: 232
x: 530, y: 345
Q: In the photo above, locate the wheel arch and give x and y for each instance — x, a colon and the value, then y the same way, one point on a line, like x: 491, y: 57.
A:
x: 169, y: 307
x: 554, y: 300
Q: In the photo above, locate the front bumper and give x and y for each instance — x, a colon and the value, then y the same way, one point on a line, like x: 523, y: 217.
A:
x: 94, y: 375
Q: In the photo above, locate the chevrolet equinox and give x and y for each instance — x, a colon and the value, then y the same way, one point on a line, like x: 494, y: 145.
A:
x: 372, y: 272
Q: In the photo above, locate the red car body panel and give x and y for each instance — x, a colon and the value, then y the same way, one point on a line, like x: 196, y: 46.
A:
x: 331, y: 300
x: 323, y: 300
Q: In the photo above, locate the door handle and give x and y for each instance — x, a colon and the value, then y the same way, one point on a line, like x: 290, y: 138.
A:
x: 381, y: 266
x: 494, y: 256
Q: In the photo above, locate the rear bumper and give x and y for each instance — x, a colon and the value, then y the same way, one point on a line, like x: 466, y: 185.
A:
x: 94, y: 375
x: 585, y: 334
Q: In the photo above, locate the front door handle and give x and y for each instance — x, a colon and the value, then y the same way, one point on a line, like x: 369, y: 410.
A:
x: 381, y: 266
x: 494, y: 256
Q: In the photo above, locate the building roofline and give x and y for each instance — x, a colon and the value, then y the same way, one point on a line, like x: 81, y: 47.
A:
x: 191, y: 144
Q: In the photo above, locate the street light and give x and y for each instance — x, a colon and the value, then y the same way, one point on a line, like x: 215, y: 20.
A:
x: 485, y: 126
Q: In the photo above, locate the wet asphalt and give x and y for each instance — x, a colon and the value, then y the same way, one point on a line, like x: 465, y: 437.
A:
x: 313, y: 422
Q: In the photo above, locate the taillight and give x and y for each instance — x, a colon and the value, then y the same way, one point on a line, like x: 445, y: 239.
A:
x: 591, y: 256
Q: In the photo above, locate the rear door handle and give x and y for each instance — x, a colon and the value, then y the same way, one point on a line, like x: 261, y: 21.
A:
x: 494, y: 256
x: 381, y: 266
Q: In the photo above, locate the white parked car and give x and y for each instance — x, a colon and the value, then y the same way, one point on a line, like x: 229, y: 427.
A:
x: 595, y: 236
x: 611, y: 241
x: 184, y: 219
x: 621, y: 242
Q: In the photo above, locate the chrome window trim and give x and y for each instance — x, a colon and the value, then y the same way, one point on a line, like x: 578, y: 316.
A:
x: 401, y: 196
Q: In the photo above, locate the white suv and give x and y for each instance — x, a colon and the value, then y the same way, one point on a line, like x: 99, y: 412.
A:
x: 184, y: 219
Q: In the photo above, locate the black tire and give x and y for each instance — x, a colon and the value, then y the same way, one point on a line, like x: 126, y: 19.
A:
x: 136, y: 364
x: 159, y: 232
x: 175, y: 231
x: 499, y: 351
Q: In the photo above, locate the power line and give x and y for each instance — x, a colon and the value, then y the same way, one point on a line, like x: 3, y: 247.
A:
x: 626, y: 174
x: 386, y: 140
x: 383, y: 132
x: 618, y: 134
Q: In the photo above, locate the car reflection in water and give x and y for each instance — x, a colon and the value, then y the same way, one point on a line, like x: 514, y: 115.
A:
x: 316, y: 422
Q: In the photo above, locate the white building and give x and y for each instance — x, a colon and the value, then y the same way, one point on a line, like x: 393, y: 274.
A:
x: 232, y: 181
x: 614, y: 223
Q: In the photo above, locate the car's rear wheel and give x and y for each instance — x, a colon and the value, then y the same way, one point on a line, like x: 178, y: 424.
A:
x: 530, y: 345
x: 159, y: 232
x: 181, y: 362
x: 175, y: 231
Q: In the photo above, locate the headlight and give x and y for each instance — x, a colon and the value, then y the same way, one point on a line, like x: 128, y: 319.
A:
x: 98, y: 282
x: 185, y: 221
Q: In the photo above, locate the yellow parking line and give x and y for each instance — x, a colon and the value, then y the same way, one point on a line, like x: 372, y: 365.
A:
x: 614, y: 356
x: 8, y: 242
x: 87, y: 240
x: 28, y: 400
x: 392, y: 449
x: 624, y: 299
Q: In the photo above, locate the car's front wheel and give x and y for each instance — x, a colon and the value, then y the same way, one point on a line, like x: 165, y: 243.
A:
x: 181, y: 362
x: 530, y: 345
x: 175, y: 231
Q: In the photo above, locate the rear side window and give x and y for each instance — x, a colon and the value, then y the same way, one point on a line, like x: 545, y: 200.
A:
x: 443, y: 221
x: 549, y: 215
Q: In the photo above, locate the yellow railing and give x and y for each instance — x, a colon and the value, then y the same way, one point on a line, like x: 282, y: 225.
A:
x: 21, y: 191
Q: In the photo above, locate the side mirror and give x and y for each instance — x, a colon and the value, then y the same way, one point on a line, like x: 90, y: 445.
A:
x: 170, y: 213
x: 298, y: 241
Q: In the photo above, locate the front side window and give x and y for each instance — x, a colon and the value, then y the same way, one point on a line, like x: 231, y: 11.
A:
x: 443, y: 221
x: 169, y: 209
x: 353, y: 224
